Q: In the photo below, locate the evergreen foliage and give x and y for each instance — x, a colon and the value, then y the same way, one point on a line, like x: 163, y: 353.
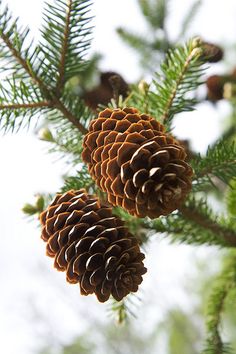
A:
x: 223, y: 285
x: 37, y: 83
x: 220, y: 161
x: 231, y: 198
x: 180, y: 74
x: 39, y: 73
x: 189, y: 18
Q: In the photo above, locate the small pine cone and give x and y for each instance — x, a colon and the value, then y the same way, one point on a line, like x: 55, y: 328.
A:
x: 211, y: 52
x: 215, y: 87
x: 92, y: 246
x: 133, y: 160
x: 103, y: 93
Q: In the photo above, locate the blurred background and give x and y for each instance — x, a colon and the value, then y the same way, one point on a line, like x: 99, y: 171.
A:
x: 39, y: 312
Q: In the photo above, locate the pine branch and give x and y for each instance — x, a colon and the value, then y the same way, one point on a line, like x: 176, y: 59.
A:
x: 181, y: 72
x: 220, y: 161
x: 155, y: 12
x: 119, y: 311
x: 66, y: 40
x: 13, y: 41
x: 71, y: 117
x: 188, y: 20
x: 195, y: 224
x: 134, y: 40
x: 123, y: 310
x: 65, y: 139
x: 19, y: 100
x: 61, y: 77
x: 224, y: 235
x: 25, y: 105
x: 231, y: 199
x: 224, y: 284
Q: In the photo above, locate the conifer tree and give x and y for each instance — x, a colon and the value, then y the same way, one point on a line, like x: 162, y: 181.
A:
x: 133, y: 177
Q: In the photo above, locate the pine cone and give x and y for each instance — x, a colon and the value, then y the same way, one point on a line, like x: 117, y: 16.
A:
x: 141, y: 167
x: 215, y: 87
x: 103, y: 93
x: 212, y: 52
x: 92, y: 246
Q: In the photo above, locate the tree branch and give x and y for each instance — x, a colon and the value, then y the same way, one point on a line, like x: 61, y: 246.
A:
x: 26, y: 105
x: 228, y: 237
x: 192, y: 54
x: 24, y: 64
x: 60, y: 106
x: 61, y: 77
x: 209, y: 169
x: 49, y: 94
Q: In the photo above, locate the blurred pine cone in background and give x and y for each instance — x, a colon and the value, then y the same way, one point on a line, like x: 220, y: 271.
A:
x: 104, y: 92
x: 215, y: 87
x: 212, y: 53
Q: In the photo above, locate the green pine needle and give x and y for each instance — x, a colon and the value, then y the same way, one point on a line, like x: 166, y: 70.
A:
x: 180, y: 75
x: 220, y: 161
x: 195, y: 224
x: 155, y: 12
x: 65, y: 40
x: 223, y: 286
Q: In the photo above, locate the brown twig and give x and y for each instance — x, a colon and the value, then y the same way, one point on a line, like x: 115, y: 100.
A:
x: 226, y: 236
x: 53, y: 100
x: 60, y: 106
x: 25, y: 105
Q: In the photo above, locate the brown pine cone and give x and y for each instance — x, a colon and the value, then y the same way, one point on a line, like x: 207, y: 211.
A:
x: 139, y: 165
x: 104, y: 92
x: 211, y: 52
x: 215, y: 87
x: 92, y: 246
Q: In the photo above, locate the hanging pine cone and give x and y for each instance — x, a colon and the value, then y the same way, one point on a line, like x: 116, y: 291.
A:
x: 134, y: 161
x: 92, y: 246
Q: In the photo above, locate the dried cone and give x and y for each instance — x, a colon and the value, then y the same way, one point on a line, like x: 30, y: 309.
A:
x: 139, y: 165
x: 92, y: 246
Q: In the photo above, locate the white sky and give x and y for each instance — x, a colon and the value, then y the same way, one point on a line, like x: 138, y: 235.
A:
x: 26, y: 169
